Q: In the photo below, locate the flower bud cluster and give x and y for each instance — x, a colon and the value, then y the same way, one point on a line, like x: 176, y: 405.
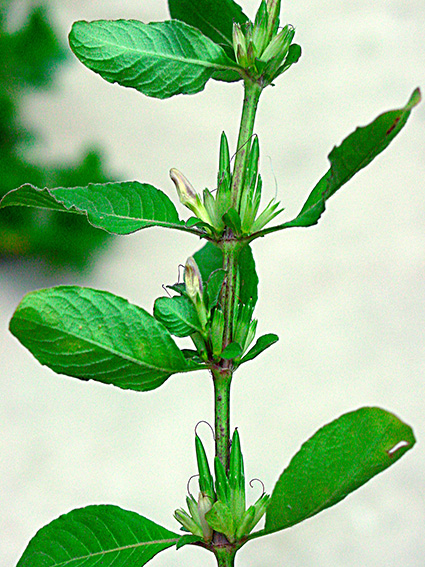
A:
x: 251, y: 221
x: 209, y: 340
x: 260, y: 48
x: 213, y: 208
x: 221, y: 505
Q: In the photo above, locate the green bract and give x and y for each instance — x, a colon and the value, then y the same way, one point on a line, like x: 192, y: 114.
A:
x: 95, y: 335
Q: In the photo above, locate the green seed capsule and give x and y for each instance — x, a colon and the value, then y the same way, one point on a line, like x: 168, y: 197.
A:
x: 236, y: 468
x: 206, y: 482
x: 222, y: 487
x: 237, y: 479
x: 224, y: 160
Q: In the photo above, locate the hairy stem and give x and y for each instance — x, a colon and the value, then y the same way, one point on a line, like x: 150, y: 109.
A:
x: 251, y: 97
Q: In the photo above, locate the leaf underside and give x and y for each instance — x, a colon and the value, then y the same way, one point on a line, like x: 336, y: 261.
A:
x: 335, y: 461
x: 160, y: 59
x: 97, y: 535
x: 95, y: 335
x: 354, y: 153
x: 118, y: 208
x: 178, y: 314
x: 214, y: 18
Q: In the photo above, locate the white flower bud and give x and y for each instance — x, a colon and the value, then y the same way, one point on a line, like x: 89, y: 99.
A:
x: 204, y: 506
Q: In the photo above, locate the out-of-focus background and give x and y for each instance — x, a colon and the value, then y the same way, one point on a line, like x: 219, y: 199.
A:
x: 346, y: 297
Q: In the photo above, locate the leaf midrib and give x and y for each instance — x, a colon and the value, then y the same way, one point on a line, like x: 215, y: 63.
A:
x: 159, y: 55
x: 102, y: 347
x: 116, y: 550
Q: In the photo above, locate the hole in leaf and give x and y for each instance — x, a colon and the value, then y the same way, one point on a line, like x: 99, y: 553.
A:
x: 397, y: 447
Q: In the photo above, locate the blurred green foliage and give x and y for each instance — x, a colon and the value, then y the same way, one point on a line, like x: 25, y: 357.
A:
x: 30, y: 57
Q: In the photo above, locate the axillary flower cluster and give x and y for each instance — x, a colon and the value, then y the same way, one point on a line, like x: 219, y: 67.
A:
x: 214, y: 213
x: 221, y: 505
x: 263, y: 51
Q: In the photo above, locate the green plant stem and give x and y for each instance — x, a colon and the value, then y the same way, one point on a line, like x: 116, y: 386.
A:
x: 249, y: 110
x: 222, y: 381
x: 225, y: 556
x: 222, y: 373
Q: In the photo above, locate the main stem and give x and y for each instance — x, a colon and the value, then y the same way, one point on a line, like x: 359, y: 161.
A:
x: 249, y: 110
x: 230, y: 246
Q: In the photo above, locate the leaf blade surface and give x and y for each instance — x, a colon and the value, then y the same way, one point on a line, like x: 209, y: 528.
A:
x: 336, y: 460
x: 209, y: 259
x: 178, y: 314
x: 353, y: 154
x: 95, y: 335
x: 160, y: 59
x: 97, y: 535
x: 214, y: 18
x: 117, y: 207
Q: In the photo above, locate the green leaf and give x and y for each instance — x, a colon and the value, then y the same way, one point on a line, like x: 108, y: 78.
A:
x: 97, y: 535
x: 187, y: 540
x: 210, y: 259
x: 233, y: 220
x: 231, y: 351
x: 214, y: 285
x: 355, y: 153
x: 248, y: 276
x: 119, y: 208
x: 178, y: 315
x: 338, y: 459
x: 160, y: 59
x: 95, y: 335
x: 220, y: 518
x: 214, y: 18
x: 263, y: 342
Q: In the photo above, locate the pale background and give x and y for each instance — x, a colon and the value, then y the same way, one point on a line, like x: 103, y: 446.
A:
x: 346, y: 297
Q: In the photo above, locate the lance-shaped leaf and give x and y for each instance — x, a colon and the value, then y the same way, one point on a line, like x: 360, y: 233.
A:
x: 160, y: 59
x: 355, y: 153
x: 95, y: 335
x: 263, y: 343
x: 214, y: 18
x: 97, y: 535
x: 119, y: 208
x: 337, y: 460
x: 210, y: 259
x: 178, y: 314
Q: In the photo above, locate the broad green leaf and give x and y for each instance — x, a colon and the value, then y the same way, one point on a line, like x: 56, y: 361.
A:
x: 214, y: 18
x: 97, y: 535
x: 119, y: 208
x: 231, y: 351
x: 160, y: 59
x: 263, y: 342
x: 338, y: 459
x: 95, y: 335
x: 209, y: 259
x: 178, y: 315
x: 355, y: 153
